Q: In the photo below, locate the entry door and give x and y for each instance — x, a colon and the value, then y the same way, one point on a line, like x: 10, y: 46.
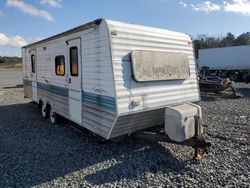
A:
x: 74, y: 80
x: 33, y: 73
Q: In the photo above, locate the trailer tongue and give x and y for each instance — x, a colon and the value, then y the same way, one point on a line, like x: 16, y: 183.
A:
x: 183, y: 126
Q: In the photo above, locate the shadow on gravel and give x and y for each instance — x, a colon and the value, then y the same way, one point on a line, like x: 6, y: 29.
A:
x: 134, y: 164
x: 245, y: 92
x: 33, y: 151
x: 215, y: 96
x: 14, y: 87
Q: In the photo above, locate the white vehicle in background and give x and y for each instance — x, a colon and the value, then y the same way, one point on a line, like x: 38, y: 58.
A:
x: 231, y: 62
x: 115, y: 79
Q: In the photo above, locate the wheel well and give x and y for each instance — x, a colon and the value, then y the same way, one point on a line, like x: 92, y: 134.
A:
x: 41, y: 102
x: 49, y: 106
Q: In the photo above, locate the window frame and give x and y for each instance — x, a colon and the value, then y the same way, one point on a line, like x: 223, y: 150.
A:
x: 33, y: 63
x: 56, y: 57
x: 70, y: 61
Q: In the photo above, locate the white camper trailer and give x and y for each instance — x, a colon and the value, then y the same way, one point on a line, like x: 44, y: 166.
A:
x: 114, y: 78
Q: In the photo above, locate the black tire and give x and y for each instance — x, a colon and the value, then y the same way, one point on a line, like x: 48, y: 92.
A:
x: 54, y: 117
x: 40, y: 104
x: 233, y: 76
x: 44, y: 110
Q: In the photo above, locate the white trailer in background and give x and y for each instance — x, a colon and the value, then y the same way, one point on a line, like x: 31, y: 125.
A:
x: 114, y: 78
x: 233, y: 62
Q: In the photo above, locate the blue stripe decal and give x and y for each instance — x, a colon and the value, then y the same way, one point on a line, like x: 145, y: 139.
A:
x: 27, y: 82
x: 92, y: 99
x: 99, y: 101
x: 63, y: 91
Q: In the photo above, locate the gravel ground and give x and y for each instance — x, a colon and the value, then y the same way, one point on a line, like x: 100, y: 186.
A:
x: 35, y: 153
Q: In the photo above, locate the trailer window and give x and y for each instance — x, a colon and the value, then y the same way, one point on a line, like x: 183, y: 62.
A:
x: 73, y: 53
x: 60, y: 65
x: 33, y: 63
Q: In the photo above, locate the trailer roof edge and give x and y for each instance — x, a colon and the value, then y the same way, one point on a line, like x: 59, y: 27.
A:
x: 68, y: 32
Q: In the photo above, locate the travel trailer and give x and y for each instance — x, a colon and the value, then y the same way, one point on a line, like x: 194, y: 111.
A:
x: 114, y: 79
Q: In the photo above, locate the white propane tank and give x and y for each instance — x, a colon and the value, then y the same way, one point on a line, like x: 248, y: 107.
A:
x: 180, y: 122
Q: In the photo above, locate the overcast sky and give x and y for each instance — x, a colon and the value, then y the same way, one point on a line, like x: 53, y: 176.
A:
x: 26, y: 21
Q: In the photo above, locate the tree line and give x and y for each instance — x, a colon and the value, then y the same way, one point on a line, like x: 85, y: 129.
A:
x: 201, y: 42
x: 204, y: 41
x: 10, y: 60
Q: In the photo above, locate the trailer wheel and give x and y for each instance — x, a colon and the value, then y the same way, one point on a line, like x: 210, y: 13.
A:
x: 40, y: 104
x: 233, y: 76
x: 53, y: 116
x: 44, y: 110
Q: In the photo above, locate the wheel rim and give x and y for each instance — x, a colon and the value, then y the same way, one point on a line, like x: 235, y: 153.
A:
x: 44, y: 113
x: 52, y: 116
x: 233, y: 77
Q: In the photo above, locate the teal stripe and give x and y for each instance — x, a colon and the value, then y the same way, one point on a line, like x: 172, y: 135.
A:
x: 92, y: 99
x: 27, y: 82
x: 54, y: 89
x: 99, y: 101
